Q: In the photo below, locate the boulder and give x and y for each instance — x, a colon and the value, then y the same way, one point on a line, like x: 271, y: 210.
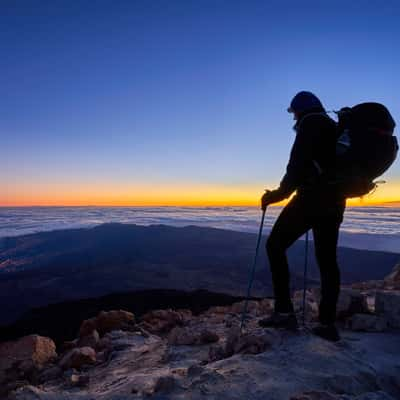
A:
x: 107, y: 321
x: 78, y: 357
x: 29, y: 352
x: 161, y: 321
x: 367, y: 323
x: 387, y: 304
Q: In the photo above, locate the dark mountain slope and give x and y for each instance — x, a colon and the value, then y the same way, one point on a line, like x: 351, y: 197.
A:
x: 52, y: 267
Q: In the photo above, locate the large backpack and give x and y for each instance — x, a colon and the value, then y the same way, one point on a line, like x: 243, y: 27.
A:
x: 366, y: 147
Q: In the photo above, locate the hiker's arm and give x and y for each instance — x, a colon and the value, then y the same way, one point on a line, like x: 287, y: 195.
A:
x: 300, y: 155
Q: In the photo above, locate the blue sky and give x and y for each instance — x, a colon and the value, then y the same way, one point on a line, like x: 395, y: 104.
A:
x: 129, y: 96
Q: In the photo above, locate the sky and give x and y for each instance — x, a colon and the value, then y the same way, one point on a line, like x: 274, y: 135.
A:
x: 178, y: 102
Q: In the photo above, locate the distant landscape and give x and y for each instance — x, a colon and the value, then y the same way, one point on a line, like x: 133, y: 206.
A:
x: 72, y: 264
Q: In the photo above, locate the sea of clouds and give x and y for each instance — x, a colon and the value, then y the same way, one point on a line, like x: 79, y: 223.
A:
x: 372, y: 228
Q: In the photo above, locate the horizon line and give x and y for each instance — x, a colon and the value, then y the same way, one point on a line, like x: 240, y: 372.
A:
x: 281, y: 204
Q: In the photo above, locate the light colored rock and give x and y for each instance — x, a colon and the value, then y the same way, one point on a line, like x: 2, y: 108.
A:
x: 107, y: 321
x: 312, y: 300
x: 78, y: 357
x: 367, y: 323
x: 27, y: 352
x: 300, y: 363
x: 387, y: 304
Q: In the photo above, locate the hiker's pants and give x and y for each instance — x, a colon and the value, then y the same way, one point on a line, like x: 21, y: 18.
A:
x: 299, y: 216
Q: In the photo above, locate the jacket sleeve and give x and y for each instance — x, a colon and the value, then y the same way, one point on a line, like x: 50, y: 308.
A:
x: 299, y: 161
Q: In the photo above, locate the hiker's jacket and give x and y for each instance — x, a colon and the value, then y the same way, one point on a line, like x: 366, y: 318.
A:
x: 313, y: 152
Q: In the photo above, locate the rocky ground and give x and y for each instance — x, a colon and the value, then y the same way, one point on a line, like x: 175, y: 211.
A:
x: 172, y: 354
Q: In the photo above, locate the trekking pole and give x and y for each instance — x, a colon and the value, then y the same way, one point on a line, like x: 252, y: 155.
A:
x: 252, y: 271
x: 305, y: 278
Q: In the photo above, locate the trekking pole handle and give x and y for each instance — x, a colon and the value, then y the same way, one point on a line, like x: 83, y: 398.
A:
x: 265, y: 207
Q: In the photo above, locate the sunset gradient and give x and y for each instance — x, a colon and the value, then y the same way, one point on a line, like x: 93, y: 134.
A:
x: 180, y: 102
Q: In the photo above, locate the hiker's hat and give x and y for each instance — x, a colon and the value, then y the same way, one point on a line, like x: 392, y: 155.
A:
x: 304, y: 101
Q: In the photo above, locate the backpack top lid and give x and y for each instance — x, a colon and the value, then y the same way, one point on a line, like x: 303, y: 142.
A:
x: 372, y: 117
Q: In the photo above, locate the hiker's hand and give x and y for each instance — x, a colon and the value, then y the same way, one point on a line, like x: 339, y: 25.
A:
x: 265, y: 199
x: 270, y: 197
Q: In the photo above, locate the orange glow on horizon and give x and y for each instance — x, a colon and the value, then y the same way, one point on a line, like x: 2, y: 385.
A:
x: 162, y: 195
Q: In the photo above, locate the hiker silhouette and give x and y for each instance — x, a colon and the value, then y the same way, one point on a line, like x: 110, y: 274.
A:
x: 314, y: 206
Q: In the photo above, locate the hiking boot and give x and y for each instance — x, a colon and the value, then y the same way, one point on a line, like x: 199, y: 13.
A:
x: 280, y: 320
x: 327, y: 332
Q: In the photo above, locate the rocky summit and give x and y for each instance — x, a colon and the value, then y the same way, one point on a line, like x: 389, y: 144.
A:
x: 174, y: 354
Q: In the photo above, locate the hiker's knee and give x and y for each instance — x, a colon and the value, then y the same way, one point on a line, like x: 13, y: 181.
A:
x: 274, y: 246
x: 327, y: 259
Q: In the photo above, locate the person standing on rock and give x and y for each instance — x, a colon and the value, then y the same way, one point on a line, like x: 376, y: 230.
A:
x: 314, y: 207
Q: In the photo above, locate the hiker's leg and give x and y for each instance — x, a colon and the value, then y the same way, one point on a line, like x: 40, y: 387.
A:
x: 326, y: 232
x: 290, y: 225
